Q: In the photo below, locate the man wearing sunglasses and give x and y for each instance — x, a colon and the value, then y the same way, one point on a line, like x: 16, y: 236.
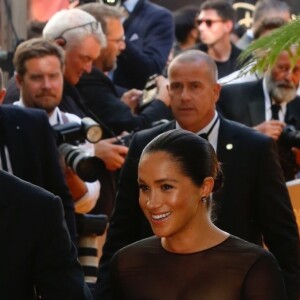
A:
x: 215, y: 23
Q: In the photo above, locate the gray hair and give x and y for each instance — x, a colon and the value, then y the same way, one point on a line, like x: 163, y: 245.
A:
x: 73, y: 25
x: 190, y: 56
x: 263, y: 8
x: 101, y: 12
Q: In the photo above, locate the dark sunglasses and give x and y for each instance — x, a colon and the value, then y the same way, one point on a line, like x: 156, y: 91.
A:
x: 207, y: 22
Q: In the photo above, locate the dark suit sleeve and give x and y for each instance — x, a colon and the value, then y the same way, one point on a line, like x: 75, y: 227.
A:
x: 54, y: 180
x: 232, y: 104
x: 243, y: 102
x: 276, y: 218
x: 139, y: 61
x: 34, y: 155
x: 58, y: 274
x: 101, y: 98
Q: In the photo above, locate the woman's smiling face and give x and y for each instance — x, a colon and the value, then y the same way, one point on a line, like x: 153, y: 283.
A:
x: 168, y: 198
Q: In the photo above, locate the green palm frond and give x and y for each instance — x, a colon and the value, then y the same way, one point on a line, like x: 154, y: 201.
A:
x: 262, y: 53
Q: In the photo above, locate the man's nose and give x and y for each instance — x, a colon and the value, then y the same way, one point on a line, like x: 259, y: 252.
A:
x: 46, y: 83
x: 185, y: 95
x: 88, y: 67
x: 122, y: 46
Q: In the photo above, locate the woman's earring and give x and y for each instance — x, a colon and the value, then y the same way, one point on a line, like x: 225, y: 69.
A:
x: 203, y: 199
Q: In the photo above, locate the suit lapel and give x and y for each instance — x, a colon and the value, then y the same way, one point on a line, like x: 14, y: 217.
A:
x: 5, y: 212
x: 132, y: 16
x: 12, y: 131
x: 256, y: 104
x: 293, y: 112
x: 227, y: 145
x: 171, y: 125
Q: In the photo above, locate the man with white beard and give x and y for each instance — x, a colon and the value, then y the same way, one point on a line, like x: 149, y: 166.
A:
x: 270, y: 105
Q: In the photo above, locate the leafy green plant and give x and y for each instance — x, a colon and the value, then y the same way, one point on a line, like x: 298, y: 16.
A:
x: 263, y: 53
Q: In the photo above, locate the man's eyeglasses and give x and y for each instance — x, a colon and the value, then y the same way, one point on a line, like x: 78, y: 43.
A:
x: 120, y: 40
x: 94, y: 25
x: 207, y: 22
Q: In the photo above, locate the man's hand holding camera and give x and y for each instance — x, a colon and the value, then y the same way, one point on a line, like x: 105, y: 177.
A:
x: 132, y: 98
x: 113, y: 155
x: 272, y: 128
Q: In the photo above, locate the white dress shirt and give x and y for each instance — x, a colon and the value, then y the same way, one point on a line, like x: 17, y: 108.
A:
x: 213, y: 136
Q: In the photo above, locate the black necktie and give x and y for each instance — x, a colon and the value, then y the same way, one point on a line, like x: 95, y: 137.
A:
x: 275, y: 110
x: 206, y: 135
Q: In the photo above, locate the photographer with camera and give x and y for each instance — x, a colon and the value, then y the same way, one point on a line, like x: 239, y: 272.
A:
x: 39, y: 73
x: 39, y: 65
x: 271, y: 106
x: 125, y: 113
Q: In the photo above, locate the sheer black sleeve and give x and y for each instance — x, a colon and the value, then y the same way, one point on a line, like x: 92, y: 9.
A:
x: 264, y: 280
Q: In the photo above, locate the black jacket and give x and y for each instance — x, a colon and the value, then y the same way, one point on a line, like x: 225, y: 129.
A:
x: 253, y: 204
x: 100, y: 96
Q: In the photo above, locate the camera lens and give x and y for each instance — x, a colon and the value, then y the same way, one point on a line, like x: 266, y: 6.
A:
x: 93, y: 131
x: 87, y: 167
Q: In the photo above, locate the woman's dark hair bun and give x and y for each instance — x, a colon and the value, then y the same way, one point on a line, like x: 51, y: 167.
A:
x: 219, y: 180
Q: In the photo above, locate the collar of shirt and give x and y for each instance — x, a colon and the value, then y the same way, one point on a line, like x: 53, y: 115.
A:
x: 213, y: 136
x: 130, y: 5
x: 55, y: 117
x: 268, y: 104
x: 250, y: 33
x: 19, y: 103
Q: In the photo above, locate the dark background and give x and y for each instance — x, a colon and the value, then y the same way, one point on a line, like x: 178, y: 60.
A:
x: 174, y: 4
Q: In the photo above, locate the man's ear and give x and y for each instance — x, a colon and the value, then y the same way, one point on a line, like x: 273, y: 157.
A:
x: 18, y: 80
x: 61, y: 41
x: 2, y: 95
x: 217, y: 90
x: 229, y: 26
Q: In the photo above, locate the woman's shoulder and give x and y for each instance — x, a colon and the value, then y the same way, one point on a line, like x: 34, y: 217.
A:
x: 240, y: 246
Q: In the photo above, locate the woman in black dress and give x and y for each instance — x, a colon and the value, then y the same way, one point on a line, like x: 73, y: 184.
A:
x: 189, y: 257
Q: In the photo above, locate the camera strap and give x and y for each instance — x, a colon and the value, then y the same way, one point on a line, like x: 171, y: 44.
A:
x: 206, y: 135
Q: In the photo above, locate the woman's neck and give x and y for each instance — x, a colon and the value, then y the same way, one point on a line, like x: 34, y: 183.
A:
x: 198, y: 239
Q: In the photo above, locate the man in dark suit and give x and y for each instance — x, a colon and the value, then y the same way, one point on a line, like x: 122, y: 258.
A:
x: 149, y: 31
x: 255, y: 103
x: 38, y: 257
x: 32, y: 154
x: 254, y: 202
x: 98, y: 90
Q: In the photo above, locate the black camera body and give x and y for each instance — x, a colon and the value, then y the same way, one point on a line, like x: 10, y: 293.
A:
x: 150, y: 91
x: 124, y: 140
x: 290, y: 136
x: 69, y: 136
